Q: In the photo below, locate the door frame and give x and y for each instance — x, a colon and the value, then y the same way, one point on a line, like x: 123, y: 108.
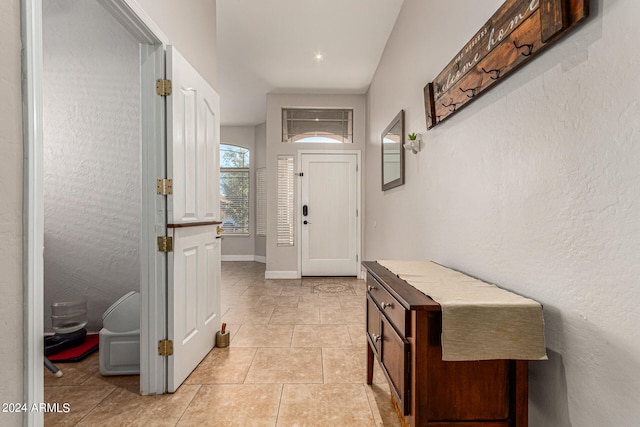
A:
x: 358, y: 154
x: 153, y: 269
x: 153, y: 264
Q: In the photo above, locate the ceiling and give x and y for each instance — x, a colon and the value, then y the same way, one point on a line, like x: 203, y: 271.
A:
x: 271, y: 46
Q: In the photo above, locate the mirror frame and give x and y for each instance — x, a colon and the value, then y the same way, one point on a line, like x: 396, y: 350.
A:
x: 398, y: 119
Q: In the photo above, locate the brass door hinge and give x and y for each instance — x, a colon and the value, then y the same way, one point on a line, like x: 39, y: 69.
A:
x: 165, y: 244
x: 165, y: 348
x: 163, y: 87
x: 164, y: 187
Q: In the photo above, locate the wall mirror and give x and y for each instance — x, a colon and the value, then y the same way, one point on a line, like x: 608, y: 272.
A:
x: 392, y: 153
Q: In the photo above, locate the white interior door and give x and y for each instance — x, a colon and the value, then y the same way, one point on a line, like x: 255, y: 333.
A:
x: 193, y: 289
x: 329, y: 215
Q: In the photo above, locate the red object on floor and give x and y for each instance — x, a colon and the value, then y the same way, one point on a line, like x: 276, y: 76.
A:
x: 78, y: 353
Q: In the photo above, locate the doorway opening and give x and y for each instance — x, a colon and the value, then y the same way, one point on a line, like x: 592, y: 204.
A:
x: 152, y: 269
x: 91, y: 160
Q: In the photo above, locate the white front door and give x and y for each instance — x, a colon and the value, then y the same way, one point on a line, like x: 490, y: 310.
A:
x: 193, y: 289
x: 329, y: 214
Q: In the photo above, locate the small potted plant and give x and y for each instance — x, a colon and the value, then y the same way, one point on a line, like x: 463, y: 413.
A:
x: 414, y: 142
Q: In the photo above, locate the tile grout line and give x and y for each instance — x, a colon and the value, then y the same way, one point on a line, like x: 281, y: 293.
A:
x: 98, y: 404
x: 186, y: 408
x: 279, y: 404
x: 373, y: 415
x: 244, y: 380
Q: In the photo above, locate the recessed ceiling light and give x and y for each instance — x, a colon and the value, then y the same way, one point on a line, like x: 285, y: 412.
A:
x: 319, y: 56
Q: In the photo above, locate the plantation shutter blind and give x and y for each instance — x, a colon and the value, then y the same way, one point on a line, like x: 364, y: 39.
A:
x: 236, y: 199
x: 261, y: 202
x: 285, y: 215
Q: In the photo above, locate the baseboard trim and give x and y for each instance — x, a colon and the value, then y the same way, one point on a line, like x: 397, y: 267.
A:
x: 281, y: 275
x: 256, y: 258
x: 238, y: 258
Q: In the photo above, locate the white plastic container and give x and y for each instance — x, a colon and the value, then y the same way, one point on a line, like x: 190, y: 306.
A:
x: 69, y: 316
x: 120, y: 337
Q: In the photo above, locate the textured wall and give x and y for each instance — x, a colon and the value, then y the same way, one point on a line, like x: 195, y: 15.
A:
x: 91, y: 157
x: 11, y: 287
x: 535, y: 186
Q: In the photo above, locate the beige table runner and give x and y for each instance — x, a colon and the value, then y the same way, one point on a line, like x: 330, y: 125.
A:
x: 480, y: 321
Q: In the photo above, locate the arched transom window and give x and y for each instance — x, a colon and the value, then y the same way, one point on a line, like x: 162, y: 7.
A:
x: 324, y: 125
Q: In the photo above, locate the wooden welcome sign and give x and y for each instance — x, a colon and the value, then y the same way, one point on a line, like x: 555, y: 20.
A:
x: 515, y: 34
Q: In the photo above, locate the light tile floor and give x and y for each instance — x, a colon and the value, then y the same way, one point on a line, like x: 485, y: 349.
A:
x: 297, y: 358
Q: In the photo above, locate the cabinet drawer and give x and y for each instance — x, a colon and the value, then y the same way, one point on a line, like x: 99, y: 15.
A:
x: 373, y: 326
x: 389, y: 306
x: 395, y: 358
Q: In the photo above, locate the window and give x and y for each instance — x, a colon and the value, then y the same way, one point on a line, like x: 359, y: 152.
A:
x: 285, y: 195
x: 234, y: 189
x: 325, y: 125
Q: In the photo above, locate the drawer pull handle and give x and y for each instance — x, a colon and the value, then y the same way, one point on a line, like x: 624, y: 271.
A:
x: 376, y: 338
x: 386, y: 304
x: 370, y: 287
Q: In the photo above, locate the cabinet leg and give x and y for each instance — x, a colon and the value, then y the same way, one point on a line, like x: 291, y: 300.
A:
x: 369, y: 364
x: 520, y: 394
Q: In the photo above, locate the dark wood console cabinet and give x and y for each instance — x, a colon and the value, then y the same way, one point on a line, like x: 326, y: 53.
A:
x: 403, y: 333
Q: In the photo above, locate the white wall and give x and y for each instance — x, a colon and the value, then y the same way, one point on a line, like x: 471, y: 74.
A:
x: 190, y: 27
x: 11, y: 232
x: 284, y: 260
x: 236, y: 248
x: 534, y: 186
x: 91, y: 159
